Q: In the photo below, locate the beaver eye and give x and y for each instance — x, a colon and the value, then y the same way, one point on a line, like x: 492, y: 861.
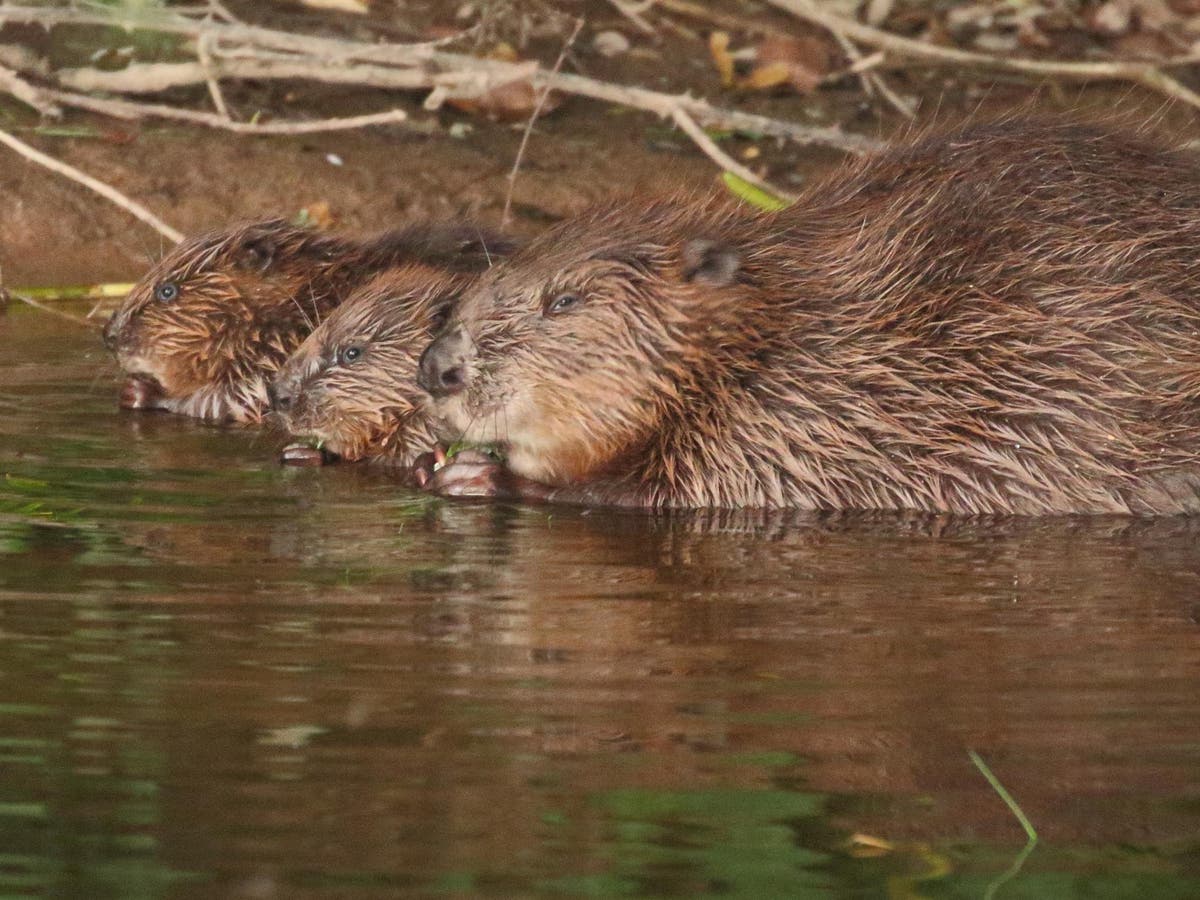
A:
x: 350, y: 355
x: 561, y: 304
x: 167, y: 291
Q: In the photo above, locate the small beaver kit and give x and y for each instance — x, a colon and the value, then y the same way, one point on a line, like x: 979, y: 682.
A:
x: 205, y: 330
x: 1004, y: 318
x: 351, y: 387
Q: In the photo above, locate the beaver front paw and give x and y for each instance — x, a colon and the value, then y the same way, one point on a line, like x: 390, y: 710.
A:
x: 303, y: 455
x: 140, y: 393
x: 470, y: 473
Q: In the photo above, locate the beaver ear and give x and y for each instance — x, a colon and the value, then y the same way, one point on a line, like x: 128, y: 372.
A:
x: 257, y: 253
x: 710, y: 262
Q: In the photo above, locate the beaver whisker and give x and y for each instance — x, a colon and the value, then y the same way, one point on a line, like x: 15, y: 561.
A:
x: 243, y: 299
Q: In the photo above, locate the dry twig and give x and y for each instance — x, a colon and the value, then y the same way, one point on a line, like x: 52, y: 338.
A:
x: 723, y: 159
x: 633, y: 12
x: 126, y: 109
x: 506, y: 218
x: 27, y: 93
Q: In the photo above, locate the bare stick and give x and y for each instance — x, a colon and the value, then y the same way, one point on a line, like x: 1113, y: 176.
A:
x: 633, y: 12
x: 78, y: 320
x: 106, y: 191
x: 873, y: 81
x: 220, y: 11
x: 126, y: 109
x: 152, y: 78
x: 27, y: 93
x: 506, y: 218
x: 723, y: 159
x: 214, y: 88
x: 723, y: 20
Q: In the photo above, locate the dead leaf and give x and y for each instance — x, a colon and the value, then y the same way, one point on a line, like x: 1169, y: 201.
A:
x: 718, y: 46
x: 507, y: 102
x: 797, y: 61
x: 510, y: 101
x: 319, y: 215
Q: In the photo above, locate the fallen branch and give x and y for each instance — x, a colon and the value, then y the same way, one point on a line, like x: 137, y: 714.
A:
x: 104, y: 190
x: 154, y: 78
x: 27, y: 93
x: 126, y: 109
x: 505, y: 218
x: 1150, y: 75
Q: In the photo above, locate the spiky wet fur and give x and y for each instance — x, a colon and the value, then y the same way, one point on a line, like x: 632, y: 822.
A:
x: 1004, y: 318
x: 371, y: 408
x: 249, y: 295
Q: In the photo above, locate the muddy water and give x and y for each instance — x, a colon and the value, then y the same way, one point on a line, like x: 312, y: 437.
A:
x: 219, y: 678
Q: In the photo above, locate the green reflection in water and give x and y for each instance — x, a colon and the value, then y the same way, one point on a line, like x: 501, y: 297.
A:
x: 731, y: 843
x: 81, y: 803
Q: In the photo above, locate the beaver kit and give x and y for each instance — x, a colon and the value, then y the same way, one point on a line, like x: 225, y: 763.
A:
x: 203, y: 332
x: 1000, y: 319
x: 351, y: 387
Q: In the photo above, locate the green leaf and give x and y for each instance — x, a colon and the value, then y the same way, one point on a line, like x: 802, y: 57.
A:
x: 749, y: 193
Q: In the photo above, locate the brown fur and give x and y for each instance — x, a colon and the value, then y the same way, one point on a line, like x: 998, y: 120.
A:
x: 1001, y: 319
x: 370, y: 408
x: 247, y: 296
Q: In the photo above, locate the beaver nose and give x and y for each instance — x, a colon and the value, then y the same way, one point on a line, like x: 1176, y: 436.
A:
x: 442, y: 370
x: 279, y: 396
x: 111, y: 333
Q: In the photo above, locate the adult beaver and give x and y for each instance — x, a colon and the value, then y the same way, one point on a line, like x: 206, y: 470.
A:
x: 1004, y: 318
x: 351, y: 386
x: 203, y: 332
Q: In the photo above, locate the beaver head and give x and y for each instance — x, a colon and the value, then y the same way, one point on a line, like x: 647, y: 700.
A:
x: 351, y: 385
x: 203, y: 332
x: 575, y: 352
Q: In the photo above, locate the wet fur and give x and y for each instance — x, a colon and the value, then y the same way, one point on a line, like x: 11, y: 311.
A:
x: 999, y: 319
x: 371, y: 408
x: 249, y: 295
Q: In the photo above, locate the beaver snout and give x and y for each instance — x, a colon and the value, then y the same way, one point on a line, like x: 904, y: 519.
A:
x: 112, y: 334
x: 443, y: 370
x: 279, y: 394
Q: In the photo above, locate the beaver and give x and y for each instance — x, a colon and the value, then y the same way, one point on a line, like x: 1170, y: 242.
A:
x: 204, y: 330
x: 1000, y: 318
x: 351, y: 385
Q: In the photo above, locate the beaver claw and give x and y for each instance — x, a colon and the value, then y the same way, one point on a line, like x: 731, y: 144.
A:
x: 471, y: 473
x: 302, y: 455
x: 138, y: 393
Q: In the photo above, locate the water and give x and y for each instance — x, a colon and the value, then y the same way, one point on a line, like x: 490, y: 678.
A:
x: 220, y: 678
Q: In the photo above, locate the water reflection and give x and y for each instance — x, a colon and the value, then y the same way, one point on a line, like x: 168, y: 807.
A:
x: 226, y: 679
